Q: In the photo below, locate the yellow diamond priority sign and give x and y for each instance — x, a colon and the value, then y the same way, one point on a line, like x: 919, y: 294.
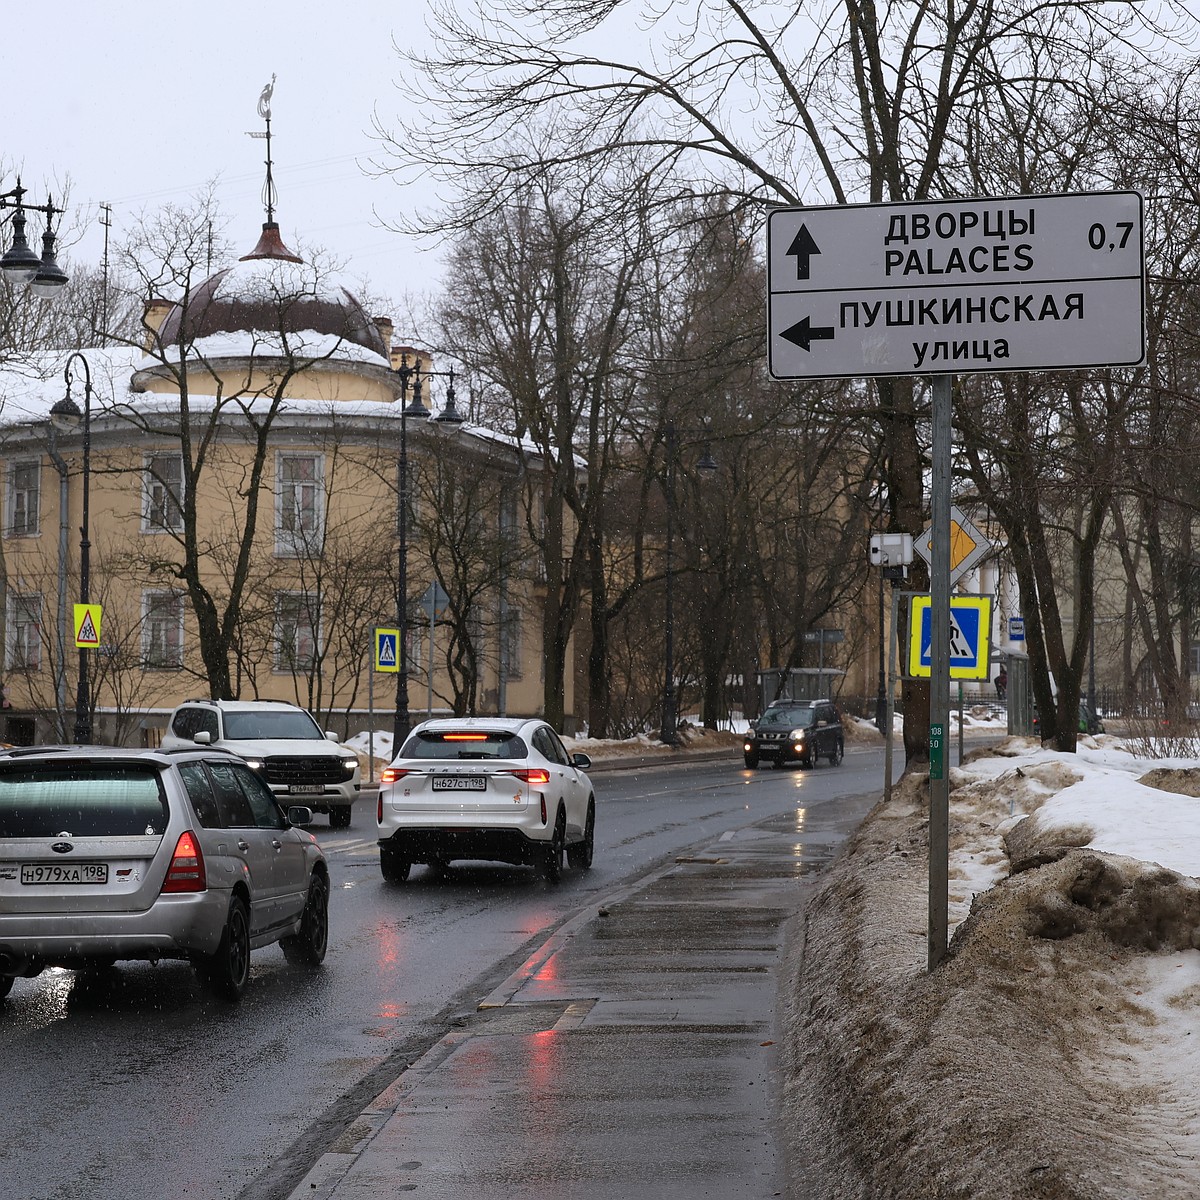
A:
x: 87, y: 626
x: 968, y: 547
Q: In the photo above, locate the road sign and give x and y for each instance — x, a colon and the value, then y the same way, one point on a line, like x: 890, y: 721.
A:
x: 435, y: 601
x: 387, y: 654
x: 823, y: 635
x: 1015, y: 283
x: 970, y: 629
x: 1016, y: 629
x: 968, y: 547
x: 87, y: 626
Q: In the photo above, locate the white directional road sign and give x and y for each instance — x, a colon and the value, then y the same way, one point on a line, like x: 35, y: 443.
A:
x: 1017, y: 283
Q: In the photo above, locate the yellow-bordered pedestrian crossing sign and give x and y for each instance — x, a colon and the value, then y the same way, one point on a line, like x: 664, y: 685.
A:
x: 970, y: 636
x: 87, y: 626
x: 387, y: 653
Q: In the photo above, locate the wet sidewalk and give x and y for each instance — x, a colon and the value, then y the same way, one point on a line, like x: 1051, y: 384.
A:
x: 634, y: 1054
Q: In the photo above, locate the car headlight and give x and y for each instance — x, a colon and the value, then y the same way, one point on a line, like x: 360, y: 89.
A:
x: 350, y: 764
x: 797, y: 735
x: 255, y: 764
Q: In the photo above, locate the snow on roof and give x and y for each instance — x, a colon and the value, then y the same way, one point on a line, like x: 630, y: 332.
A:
x: 300, y: 344
x: 30, y: 388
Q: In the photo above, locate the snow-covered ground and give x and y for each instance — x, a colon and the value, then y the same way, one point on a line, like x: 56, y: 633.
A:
x: 1056, y: 1051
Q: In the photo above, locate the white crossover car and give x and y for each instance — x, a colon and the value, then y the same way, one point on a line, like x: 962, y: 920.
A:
x: 493, y: 788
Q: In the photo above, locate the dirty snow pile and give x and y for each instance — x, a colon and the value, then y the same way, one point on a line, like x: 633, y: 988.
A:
x: 1056, y: 1051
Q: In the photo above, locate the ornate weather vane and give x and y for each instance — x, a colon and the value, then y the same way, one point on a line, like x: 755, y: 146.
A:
x: 269, y: 195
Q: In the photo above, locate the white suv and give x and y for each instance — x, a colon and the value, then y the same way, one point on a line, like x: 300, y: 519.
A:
x: 282, y: 743
x: 496, y: 788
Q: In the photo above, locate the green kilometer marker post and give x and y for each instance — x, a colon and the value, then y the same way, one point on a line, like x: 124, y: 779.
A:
x: 937, y: 752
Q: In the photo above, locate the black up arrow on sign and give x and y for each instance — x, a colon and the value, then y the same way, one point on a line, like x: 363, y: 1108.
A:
x: 803, y: 247
x: 802, y: 334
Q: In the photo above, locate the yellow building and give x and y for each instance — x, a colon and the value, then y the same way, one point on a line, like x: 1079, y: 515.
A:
x: 243, y: 533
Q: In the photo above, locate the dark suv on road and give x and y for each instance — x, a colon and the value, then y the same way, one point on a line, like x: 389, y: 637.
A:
x: 800, y: 731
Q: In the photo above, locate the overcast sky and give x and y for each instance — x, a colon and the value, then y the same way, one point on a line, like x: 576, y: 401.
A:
x: 141, y: 105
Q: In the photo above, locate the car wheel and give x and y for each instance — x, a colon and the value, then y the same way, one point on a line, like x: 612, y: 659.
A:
x: 579, y: 856
x: 552, y: 855
x: 6, y: 983
x: 839, y: 752
x: 339, y: 818
x: 307, y: 948
x: 393, y: 865
x: 228, y: 970
x: 752, y: 762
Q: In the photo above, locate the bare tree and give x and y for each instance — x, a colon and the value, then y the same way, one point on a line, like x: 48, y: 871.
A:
x: 858, y: 102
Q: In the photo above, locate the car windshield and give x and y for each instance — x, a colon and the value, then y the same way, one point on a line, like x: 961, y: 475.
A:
x: 80, y: 800
x: 465, y: 743
x: 286, y: 726
x: 791, y: 717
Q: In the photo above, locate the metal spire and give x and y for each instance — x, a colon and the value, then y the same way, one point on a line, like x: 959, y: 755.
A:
x: 269, y: 195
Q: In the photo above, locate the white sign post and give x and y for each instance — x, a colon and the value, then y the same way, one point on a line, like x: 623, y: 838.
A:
x: 945, y: 287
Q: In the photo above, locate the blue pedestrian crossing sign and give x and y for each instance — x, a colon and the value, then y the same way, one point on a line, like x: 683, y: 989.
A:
x: 387, y: 654
x: 970, y: 637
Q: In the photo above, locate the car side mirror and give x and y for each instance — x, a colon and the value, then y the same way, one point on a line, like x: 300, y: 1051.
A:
x: 580, y: 760
x: 203, y: 738
x: 330, y: 736
x: 297, y: 814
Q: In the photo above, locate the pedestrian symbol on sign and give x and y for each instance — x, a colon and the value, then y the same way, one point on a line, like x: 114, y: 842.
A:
x: 387, y: 654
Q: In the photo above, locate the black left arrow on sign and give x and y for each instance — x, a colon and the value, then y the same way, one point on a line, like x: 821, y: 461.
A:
x: 802, y: 334
x: 803, y: 247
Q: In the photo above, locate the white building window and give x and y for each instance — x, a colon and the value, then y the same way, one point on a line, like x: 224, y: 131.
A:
x: 24, y: 649
x: 162, y: 630
x: 299, y: 503
x: 297, y: 629
x: 24, y: 487
x: 162, y: 493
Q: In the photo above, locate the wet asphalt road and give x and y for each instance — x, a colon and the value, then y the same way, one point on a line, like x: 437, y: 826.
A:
x: 136, y: 1084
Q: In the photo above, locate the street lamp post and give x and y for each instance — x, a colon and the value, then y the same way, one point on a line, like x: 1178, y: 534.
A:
x: 66, y: 412
x: 669, y: 731
x: 411, y: 375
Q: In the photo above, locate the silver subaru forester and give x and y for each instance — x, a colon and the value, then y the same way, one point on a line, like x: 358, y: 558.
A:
x: 110, y: 854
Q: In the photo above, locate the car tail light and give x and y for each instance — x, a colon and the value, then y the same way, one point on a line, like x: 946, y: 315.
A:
x: 531, y: 774
x: 391, y: 774
x: 543, y: 808
x: 186, y: 872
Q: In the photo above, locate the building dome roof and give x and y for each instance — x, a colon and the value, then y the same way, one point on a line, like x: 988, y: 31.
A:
x: 272, y: 292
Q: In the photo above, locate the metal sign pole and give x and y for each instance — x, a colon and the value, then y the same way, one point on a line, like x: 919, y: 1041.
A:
x: 939, y: 679
x: 893, y: 655
x: 371, y: 722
